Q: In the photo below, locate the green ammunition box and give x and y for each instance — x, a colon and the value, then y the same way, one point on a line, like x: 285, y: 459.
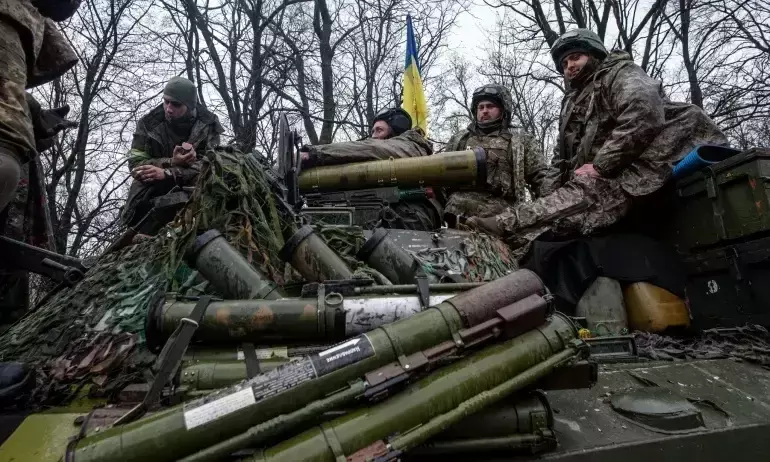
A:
x: 723, y: 203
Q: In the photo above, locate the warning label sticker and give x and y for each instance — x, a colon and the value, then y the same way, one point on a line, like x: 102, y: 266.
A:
x: 282, y: 378
x: 213, y: 410
x: 344, y: 354
x: 276, y: 381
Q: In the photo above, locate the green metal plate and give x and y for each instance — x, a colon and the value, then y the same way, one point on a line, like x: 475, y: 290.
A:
x: 40, y: 438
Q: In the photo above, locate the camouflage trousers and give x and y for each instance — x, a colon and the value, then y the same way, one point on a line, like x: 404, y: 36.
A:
x: 475, y: 204
x: 581, y: 207
x: 16, y: 129
x: 14, y: 285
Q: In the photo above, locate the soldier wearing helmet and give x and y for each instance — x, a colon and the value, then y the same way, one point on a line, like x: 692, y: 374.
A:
x: 619, y: 137
x: 514, y: 159
x: 392, y: 136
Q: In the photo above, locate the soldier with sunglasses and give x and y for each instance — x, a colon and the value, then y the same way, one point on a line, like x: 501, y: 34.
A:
x: 514, y: 159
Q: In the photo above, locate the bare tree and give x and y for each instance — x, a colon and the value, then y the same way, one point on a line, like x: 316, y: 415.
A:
x: 85, y: 177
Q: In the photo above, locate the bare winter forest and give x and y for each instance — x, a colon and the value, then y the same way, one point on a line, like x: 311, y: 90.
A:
x: 331, y: 64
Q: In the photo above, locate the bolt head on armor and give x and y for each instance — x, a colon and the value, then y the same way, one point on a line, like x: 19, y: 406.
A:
x: 577, y: 40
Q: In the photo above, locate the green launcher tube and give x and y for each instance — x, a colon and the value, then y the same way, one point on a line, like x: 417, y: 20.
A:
x: 185, y: 429
x: 437, y: 402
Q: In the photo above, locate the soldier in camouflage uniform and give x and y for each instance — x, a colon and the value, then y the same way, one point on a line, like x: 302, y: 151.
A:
x: 168, y: 147
x: 32, y: 52
x: 392, y: 137
x: 619, y: 139
x: 25, y: 218
x: 514, y: 159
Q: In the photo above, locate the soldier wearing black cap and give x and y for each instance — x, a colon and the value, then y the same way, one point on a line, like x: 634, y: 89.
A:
x: 392, y: 136
x: 168, y: 146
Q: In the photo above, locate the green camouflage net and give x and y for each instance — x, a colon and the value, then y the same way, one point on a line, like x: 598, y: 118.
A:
x: 478, y: 258
x: 92, y: 336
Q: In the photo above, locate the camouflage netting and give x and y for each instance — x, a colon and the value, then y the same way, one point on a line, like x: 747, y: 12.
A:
x: 478, y: 258
x: 749, y: 343
x: 93, y: 334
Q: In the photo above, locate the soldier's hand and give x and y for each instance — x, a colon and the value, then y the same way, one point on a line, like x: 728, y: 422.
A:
x: 148, y: 173
x: 47, y: 123
x: 587, y: 170
x: 184, y: 155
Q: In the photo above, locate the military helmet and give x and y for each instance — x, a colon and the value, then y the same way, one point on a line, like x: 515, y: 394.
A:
x: 495, y: 93
x: 398, y: 119
x: 577, y: 40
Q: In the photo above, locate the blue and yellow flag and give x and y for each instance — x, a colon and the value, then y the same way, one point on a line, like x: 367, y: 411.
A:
x: 413, y: 98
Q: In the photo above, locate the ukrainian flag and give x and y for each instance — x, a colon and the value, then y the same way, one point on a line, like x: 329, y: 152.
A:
x: 413, y: 98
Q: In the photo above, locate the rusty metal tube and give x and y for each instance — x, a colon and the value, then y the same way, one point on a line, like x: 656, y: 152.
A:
x: 312, y: 258
x: 302, y: 320
x: 383, y: 254
x: 228, y: 271
x: 445, y: 169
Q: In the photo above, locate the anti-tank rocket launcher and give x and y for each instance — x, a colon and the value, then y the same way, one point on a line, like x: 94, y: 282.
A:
x: 356, y: 193
x: 368, y: 366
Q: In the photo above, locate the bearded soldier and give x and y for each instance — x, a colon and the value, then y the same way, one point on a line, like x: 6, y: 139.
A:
x: 619, y: 138
x: 514, y: 159
x: 391, y: 137
x: 168, y: 146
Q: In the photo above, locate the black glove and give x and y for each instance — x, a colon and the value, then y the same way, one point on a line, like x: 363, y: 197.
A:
x: 47, y: 123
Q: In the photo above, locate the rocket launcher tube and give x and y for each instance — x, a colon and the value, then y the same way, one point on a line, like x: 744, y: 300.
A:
x: 330, y: 319
x: 454, y: 168
x: 228, y: 271
x: 182, y: 430
x: 379, y: 383
x: 313, y: 258
x: 438, y: 400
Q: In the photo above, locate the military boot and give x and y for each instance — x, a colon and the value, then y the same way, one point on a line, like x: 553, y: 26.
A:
x: 16, y: 380
x: 604, y: 308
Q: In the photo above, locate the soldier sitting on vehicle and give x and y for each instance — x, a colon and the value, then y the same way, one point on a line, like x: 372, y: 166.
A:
x: 619, y: 139
x: 168, y: 146
x: 514, y: 159
x: 391, y: 137
x: 33, y: 52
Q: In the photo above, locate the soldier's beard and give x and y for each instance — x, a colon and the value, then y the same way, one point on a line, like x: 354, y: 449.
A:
x: 581, y: 77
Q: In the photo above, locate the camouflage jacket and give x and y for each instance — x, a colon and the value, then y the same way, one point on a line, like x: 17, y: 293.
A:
x: 151, y: 146
x: 623, y: 124
x: 411, y: 143
x: 514, y: 162
x: 48, y: 53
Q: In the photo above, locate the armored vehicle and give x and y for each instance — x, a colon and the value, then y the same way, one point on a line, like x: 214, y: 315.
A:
x: 253, y: 327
